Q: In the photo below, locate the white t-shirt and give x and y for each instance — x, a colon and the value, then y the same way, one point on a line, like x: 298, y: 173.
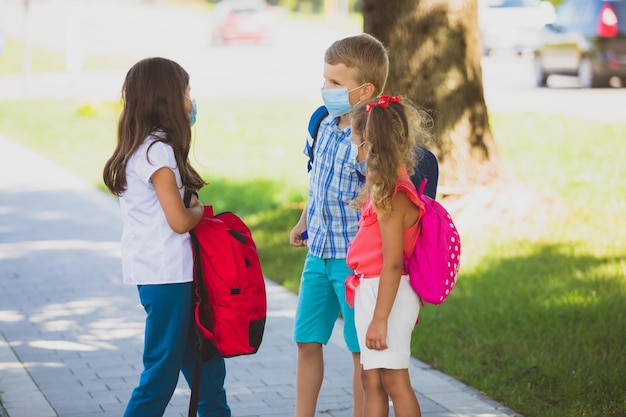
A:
x: 152, y: 253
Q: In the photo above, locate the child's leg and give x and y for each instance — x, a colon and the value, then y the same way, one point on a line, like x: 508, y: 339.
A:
x: 212, y: 396
x: 398, y: 385
x: 357, y: 386
x: 309, y: 376
x: 337, y: 272
x: 167, y: 324
x: 375, y: 399
x: 316, y: 314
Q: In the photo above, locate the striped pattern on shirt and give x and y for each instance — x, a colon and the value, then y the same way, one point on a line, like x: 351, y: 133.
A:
x: 334, y: 183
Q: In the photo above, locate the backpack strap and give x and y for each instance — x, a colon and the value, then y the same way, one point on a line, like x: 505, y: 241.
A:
x: 195, y: 385
x: 427, y: 167
x: 314, y: 126
x: 413, y: 194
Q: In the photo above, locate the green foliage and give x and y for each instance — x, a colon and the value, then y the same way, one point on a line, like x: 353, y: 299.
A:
x: 87, y: 110
x: 537, y: 319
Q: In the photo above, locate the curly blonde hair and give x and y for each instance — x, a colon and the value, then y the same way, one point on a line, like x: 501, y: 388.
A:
x: 390, y: 132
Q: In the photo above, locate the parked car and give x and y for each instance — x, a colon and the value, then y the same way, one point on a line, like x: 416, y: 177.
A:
x: 512, y: 25
x: 587, y: 40
x: 242, y: 20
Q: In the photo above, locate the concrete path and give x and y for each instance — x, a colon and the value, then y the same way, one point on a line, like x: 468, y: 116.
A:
x: 71, y: 332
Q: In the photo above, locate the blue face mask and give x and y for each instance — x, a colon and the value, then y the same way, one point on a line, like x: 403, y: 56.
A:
x: 337, y: 100
x: 360, y: 166
x: 194, y: 112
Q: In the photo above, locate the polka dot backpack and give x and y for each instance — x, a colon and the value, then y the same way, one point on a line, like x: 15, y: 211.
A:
x: 434, y: 264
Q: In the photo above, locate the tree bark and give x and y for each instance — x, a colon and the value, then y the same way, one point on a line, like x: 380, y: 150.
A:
x: 434, y: 55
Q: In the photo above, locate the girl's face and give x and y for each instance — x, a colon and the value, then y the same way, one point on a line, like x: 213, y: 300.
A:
x: 361, y: 146
x: 187, y: 100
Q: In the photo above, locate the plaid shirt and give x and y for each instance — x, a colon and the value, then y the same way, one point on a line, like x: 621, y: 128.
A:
x: 334, y: 183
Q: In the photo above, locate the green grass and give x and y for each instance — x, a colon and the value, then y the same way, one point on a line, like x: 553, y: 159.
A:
x: 537, y: 320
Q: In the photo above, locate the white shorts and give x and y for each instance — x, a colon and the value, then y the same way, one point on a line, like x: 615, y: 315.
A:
x: 400, y: 325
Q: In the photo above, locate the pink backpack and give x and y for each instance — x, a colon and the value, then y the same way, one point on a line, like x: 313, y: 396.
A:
x: 434, y: 263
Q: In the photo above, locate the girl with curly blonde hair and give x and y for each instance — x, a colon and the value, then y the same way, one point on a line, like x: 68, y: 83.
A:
x: 386, y: 308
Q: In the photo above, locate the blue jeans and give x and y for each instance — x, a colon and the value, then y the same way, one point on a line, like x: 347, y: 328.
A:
x: 170, y: 347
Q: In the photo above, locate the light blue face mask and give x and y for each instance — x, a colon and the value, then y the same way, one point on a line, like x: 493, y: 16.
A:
x: 360, y: 165
x: 194, y: 112
x: 337, y: 100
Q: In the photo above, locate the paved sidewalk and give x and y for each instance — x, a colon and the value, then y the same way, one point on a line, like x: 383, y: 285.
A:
x: 71, y: 332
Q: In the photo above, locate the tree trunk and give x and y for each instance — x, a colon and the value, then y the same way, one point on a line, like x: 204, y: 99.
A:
x: 434, y: 55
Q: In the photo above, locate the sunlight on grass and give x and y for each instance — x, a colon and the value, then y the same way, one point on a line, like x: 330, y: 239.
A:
x: 574, y: 298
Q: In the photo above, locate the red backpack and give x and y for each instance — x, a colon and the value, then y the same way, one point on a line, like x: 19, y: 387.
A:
x: 434, y: 263
x: 229, y: 291
x: 231, y: 303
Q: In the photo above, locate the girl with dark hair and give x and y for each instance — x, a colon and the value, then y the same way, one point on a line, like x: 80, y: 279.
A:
x: 150, y: 172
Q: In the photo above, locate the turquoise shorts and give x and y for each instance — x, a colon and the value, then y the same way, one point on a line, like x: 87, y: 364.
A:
x: 321, y: 298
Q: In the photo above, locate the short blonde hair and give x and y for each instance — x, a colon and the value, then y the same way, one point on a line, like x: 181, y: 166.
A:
x: 364, y: 53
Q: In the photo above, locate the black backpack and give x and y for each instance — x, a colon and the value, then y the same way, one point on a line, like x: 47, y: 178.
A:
x: 427, y: 167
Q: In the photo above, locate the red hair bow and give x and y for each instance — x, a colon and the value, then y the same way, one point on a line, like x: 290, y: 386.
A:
x: 382, y: 101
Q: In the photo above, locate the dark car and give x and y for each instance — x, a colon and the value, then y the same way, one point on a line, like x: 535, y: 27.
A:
x: 588, y: 40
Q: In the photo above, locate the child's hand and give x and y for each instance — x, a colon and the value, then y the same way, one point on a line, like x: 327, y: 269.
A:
x: 376, y: 336
x: 187, y: 197
x: 194, y: 201
x: 298, y: 236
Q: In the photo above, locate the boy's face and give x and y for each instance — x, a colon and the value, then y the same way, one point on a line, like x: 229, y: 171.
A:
x: 339, y: 75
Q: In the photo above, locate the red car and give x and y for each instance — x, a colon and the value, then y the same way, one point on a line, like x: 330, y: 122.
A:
x: 242, y: 20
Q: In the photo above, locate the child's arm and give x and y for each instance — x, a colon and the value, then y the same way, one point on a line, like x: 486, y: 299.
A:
x: 295, y: 237
x: 391, y: 227
x: 180, y: 218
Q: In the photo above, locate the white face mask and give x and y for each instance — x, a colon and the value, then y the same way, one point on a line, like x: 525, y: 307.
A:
x: 337, y: 100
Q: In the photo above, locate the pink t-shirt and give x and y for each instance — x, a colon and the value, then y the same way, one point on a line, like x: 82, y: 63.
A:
x: 365, y: 252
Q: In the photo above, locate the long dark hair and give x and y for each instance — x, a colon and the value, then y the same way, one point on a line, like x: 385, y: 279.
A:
x: 153, y: 99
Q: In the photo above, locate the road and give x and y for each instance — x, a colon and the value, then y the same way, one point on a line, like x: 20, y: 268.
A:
x: 509, y: 85
x: 290, y: 67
